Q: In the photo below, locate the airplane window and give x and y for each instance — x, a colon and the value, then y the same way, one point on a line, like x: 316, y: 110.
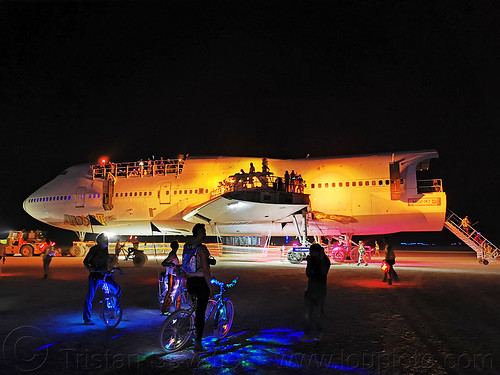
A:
x: 387, y: 182
x: 312, y: 186
x: 354, y: 183
x: 121, y: 194
x: 374, y: 182
x: 340, y: 184
x: 196, y: 191
x: 166, y: 193
x: 200, y: 190
x: 69, y: 197
x: 367, y: 183
x: 116, y: 195
x: 150, y: 193
x: 190, y: 191
x: 347, y: 184
x: 140, y: 194
x: 180, y: 191
x: 185, y: 191
x: 206, y: 191
x: 380, y: 182
x: 135, y: 194
x: 326, y: 185
x: 333, y: 184
x: 319, y: 186
x: 126, y: 194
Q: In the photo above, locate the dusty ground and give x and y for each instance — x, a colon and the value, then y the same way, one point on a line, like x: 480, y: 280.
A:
x: 442, y: 318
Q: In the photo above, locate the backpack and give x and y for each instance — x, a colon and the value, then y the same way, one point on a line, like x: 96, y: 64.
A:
x: 189, y: 258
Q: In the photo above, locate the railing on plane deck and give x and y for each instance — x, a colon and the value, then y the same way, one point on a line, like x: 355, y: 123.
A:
x: 484, y: 249
x: 430, y: 186
x: 260, y: 181
x: 138, y: 169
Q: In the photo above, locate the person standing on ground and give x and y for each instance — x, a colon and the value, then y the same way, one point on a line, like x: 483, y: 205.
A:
x: 97, y: 263
x: 317, y: 269
x: 390, y: 259
x: 196, y: 266
x: 169, y: 263
x: 2, y: 255
x: 47, y: 255
x: 361, y: 253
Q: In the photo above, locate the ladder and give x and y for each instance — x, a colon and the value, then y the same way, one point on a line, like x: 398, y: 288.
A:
x: 485, y: 250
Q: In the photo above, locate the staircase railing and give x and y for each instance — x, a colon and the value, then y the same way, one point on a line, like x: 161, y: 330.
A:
x: 486, y: 251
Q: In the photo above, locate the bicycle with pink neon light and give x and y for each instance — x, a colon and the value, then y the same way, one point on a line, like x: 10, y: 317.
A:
x: 177, y: 329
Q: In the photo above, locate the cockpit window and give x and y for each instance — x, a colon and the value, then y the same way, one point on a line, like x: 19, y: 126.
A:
x: 63, y: 173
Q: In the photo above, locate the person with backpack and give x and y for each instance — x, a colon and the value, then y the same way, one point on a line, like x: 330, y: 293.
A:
x: 196, y: 266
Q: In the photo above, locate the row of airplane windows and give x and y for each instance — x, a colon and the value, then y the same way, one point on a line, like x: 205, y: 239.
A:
x: 353, y: 183
x: 49, y: 199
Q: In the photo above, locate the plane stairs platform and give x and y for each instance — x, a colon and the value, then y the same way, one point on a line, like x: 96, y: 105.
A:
x: 485, y: 250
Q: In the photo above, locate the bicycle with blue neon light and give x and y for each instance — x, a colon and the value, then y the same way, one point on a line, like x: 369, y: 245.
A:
x: 111, y: 311
x: 177, y: 329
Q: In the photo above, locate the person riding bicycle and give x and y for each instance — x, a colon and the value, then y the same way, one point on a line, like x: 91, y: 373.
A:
x: 196, y: 266
x: 173, y: 278
x: 97, y: 263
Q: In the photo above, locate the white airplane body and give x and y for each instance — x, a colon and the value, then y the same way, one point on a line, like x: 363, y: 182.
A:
x: 352, y: 195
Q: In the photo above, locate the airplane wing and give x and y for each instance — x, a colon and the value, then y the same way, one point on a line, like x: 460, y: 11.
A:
x: 243, y: 207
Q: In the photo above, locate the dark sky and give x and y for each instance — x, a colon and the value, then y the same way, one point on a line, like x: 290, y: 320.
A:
x: 277, y: 78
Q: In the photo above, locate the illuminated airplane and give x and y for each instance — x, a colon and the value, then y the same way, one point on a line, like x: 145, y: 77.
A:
x: 352, y: 195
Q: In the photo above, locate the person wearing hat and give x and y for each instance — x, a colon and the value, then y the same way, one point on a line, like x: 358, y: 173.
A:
x: 97, y: 263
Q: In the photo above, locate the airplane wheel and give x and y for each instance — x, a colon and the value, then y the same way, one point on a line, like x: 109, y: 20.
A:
x: 139, y: 260
x: 485, y: 262
x: 26, y: 251
x: 338, y: 255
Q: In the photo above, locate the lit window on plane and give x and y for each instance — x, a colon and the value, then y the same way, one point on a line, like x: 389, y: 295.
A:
x: 354, y: 183
x: 333, y: 184
x: 312, y: 186
x: 175, y: 192
x: 374, y: 183
x: 190, y: 191
x: 380, y: 182
x: 347, y: 184
x: 319, y: 186
x: 166, y: 193
x: 121, y: 194
x: 135, y: 194
x: 69, y: 197
x: 196, y: 191
x: 180, y: 191
x: 340, y: 184
x: 206, y: 191
x: 326, y: 185
x: 140, y: 194
x: 200, y: 190
x: 150, y: 193
x: 185, y: 191
x: 126, y: 194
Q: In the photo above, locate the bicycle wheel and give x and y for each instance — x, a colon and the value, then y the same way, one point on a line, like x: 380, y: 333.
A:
x: 176, y: 330
x: 224, y: 318
x: 111, y: 312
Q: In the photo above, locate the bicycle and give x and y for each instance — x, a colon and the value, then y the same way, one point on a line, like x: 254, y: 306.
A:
x: 111, y: 311
x: 177, y: 329
x: 177, y: 296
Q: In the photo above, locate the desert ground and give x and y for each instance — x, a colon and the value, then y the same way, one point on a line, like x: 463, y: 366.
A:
x: 441, y: 318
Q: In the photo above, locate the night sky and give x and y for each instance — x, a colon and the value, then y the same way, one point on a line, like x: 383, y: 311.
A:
x: 280, y: 79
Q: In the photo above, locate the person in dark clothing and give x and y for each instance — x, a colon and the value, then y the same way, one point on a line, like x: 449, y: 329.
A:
x: 97, y: 263
x: 195, y: 264
x: 48, y: 253
x: 317, y: 269
x: 390, y: 259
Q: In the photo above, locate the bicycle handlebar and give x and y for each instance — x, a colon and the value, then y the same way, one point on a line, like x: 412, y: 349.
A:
x: 224, y: 285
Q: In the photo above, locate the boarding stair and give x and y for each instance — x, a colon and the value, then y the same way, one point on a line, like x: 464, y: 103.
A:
x: 485, y: 250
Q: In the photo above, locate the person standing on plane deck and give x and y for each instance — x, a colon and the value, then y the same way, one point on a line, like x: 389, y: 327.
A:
x: 287, y: 181
x: 196, y: 266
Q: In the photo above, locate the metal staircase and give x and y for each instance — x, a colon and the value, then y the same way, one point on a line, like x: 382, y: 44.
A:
x: 485, y: 250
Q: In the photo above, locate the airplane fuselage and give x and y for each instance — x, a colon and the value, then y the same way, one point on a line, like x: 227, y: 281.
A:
x: 357, y: 195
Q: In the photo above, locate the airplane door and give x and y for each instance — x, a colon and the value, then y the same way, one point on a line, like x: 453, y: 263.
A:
x: 80, y: 197
x: 165, y: 193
